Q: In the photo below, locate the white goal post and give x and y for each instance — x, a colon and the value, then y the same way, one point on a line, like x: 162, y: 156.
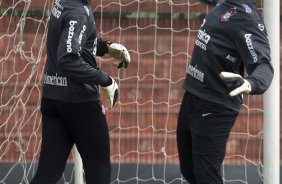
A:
x: 271, y: 151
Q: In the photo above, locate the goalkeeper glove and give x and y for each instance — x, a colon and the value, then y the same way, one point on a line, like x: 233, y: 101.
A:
x: 236, y: 83
x: 210, y: 2
x: 120, y: 55
x: 111, y: 92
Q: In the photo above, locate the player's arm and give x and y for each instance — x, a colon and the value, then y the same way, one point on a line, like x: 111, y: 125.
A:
x: 120, y: 54
x: 68, y: 53
x: 254, y: 49
x: 111, y: 88
x: 102, y: 46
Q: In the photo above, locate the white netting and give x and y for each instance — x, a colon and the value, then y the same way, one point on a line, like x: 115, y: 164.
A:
x: 160, y: 37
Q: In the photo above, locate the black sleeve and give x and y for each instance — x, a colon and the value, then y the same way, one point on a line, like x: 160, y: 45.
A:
x: 102, y: 47
x: 261, y: 78
x: 253, y: 46
x: 69, y: 60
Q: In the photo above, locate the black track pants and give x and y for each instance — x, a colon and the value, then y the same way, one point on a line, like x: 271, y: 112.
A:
x: 65, y: 124
x: 202, y: 132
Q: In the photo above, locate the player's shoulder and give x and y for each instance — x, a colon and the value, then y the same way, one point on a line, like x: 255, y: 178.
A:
x: 75, y: 8
x: 241, y: 14
x: 249, y: 12
x: 250, y: 17
x: 242, y: 10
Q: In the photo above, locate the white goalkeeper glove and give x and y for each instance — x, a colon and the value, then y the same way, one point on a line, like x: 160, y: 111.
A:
x: 120, y: 54
x: 236, y: 83
x: 111, y: 92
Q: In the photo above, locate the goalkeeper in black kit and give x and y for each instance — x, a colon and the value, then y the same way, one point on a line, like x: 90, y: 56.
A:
x: 72, y: 112
x: 232, y: 41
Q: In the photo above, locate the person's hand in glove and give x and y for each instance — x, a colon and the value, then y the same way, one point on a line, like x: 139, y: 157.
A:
x: 120, y: 54
x: 236, y: 83
x: 111, y: 92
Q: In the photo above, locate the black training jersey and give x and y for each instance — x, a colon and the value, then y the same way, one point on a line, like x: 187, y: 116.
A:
x: 232, y: 38
x: 70, y: 74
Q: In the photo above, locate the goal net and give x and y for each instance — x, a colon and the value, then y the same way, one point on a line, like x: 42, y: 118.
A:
x: 160, y: 37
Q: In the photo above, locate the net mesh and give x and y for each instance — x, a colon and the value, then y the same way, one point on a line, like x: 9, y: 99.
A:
x: 160, y: 37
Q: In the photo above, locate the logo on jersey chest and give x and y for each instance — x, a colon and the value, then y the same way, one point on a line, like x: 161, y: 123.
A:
x: 261, y: 27
x: 57, y: 9
x: 195, y: 73
x: 247, y: 8
x: 231, y: 12
x: 231, y: 58
x: 202, y: 39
